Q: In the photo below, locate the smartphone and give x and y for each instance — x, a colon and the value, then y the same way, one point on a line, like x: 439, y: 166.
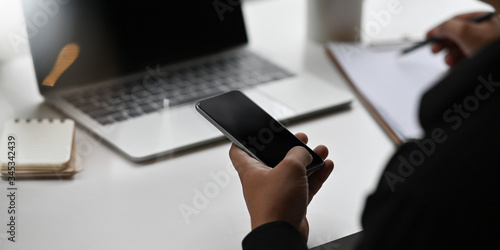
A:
x: 252, y: 129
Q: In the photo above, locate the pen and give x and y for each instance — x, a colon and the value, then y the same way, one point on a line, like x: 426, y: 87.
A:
x: 435, y: 40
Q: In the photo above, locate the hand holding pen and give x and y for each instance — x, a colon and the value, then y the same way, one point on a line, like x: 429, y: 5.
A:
x: 462, y: 36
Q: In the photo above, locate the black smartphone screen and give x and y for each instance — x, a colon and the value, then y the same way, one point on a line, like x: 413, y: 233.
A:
x: 253, y: 128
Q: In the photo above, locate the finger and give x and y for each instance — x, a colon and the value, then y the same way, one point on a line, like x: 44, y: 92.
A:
x: 319, y: 177
x: 452, y: 29
x: 295, y: 161
x: 457, y: 31
x: 454, y: 56
x: 470, y: 16
x: 322, y: 151
x: 431, y: 32
x: 302, y: 137
x: 438, y: 47
x: 242, y: 161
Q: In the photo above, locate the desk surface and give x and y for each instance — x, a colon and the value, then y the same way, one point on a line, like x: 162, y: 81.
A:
x: 117, y: 204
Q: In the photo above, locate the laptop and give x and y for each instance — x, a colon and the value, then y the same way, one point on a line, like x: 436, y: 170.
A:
x: 131, y: 71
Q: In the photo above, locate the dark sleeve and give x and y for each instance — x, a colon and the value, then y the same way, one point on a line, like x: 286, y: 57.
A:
x: 441, y: 192
x: 275, y: 235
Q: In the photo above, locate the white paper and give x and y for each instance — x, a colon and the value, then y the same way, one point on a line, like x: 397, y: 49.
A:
x: 393, y: 84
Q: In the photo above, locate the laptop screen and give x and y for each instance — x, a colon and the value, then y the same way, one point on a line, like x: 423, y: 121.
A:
x: 75, y: 42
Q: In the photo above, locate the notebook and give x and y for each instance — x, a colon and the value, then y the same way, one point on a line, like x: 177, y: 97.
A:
x: 38, y: 148
x: 390, y: 85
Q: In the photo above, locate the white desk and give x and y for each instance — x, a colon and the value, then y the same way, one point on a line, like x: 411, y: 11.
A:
x: 117, y: 204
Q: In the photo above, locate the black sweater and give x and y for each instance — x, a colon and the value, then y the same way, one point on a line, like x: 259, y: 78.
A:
x: 440, y: 192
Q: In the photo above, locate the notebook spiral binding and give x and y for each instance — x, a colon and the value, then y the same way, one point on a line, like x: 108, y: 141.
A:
x: 51, y: 120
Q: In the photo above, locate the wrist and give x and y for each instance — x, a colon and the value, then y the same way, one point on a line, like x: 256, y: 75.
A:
x: 259, y: 221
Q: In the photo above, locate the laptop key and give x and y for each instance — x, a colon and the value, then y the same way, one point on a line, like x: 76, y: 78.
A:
x: 200, y: 87
x: 114, y: 101
x: 186, y: 91
x: 119, y: 117
x: 141, y: 94
x: 131, y: 104
x: 133, y: 113
x: 148, y: 109
x: 157, y: 104
x: 101, y: 113
x: 76, y: 101
x: 173, y: 94
x: 168, y: 86
x: 89, y: 108
x: 237, y: 85
x: 105, y: 120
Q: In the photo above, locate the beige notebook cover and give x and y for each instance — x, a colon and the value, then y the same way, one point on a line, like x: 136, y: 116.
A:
x: 40, y: 145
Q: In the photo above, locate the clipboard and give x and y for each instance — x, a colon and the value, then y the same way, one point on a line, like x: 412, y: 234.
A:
x: 384, y: 67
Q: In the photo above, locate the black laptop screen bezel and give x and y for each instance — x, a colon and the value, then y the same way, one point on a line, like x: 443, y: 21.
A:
x: 51, y: 27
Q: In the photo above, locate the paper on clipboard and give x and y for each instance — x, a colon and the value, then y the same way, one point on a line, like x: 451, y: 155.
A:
x: 390, y: 85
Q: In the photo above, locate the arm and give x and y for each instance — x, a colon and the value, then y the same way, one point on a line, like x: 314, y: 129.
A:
x: 280, y: 194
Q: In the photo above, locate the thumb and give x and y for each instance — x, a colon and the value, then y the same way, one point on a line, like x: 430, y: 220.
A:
x: 295, y: 161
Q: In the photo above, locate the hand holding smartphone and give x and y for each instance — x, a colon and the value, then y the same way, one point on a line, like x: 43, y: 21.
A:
x: 252, y: 129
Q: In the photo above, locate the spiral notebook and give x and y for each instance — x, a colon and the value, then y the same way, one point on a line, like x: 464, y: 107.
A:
x: 38, y: 148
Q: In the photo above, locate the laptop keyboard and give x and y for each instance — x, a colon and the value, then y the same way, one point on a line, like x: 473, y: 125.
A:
x: 152, y: 93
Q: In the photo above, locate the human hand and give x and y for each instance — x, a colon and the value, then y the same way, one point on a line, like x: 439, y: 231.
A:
x: 284, y: 192
x: 462, y: 38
